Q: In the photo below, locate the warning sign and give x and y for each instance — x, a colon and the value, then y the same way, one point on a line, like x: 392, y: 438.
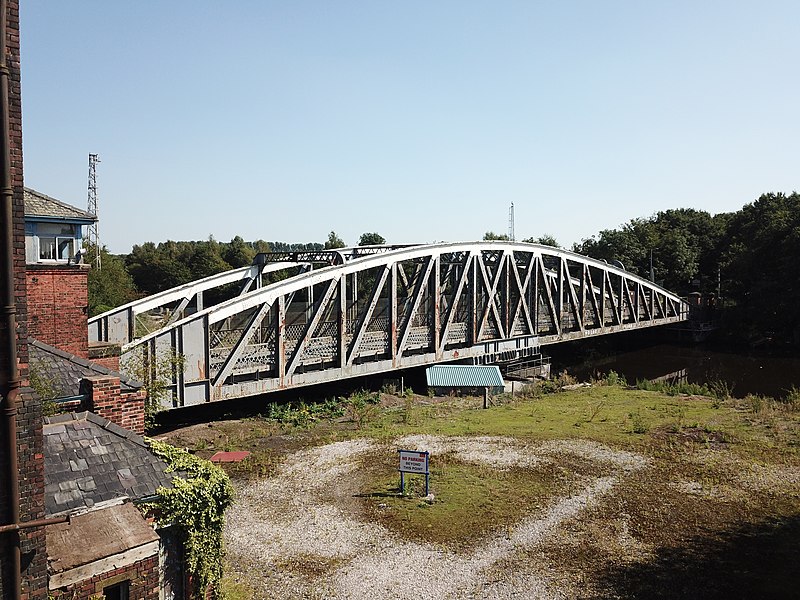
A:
x: 413, y: 462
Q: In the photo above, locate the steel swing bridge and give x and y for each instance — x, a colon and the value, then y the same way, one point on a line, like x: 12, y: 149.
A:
x: 362, y: 311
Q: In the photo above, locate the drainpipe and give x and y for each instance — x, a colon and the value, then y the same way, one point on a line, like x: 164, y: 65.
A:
x: 9, y: 370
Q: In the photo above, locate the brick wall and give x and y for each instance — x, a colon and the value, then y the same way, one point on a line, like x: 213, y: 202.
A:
x: 142, y: 575
x: 106, y: 354
x: 126, y: 409
x: 29, y: 415
x: 58, y: 306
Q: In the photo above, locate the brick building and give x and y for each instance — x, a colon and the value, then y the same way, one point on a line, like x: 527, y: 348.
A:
x: 68, y: 504
x: 23, y: 560
x: 96, y: 465
x: 56, y: 280
x: 96, y: 472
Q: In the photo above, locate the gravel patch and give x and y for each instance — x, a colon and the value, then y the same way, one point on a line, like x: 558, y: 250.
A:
x: 498, y: 452
x: 771, y: 478
x: 277, y: 525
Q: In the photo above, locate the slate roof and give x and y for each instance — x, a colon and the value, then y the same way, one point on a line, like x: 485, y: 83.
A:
x: 89, y: 459
x: 464, y: 376
x: 42, y: 206
x: 62, y: 372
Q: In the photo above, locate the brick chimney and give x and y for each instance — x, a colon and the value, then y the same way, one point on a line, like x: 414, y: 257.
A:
x: 58, y: 306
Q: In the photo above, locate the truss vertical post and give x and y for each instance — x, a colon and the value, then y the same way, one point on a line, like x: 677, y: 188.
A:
x: 342, y: 321
x: 561, y: 290
x: 473, y: 328
x: 393, y: 282
x: 280, y: 340
x: 535, y: 302
x: 506, y: 262
x: 584, y: 276
x: 603, y: 302
x: 437, y: 290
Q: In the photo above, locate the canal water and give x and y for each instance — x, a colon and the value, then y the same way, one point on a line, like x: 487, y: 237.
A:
x: 743, y: 373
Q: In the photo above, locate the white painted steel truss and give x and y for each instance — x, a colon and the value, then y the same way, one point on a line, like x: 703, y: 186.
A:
x: 403, y: 308
x: 126, y: 323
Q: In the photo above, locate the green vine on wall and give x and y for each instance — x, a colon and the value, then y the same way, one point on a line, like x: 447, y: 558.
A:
x: 196, y: 504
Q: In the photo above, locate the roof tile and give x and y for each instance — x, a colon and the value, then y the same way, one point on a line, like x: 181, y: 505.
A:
x: 64, y: 371
x: 41, y: 205
x: 80, y: 475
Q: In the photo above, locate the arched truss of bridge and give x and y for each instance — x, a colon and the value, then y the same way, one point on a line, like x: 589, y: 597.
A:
x: 402, y: 308
x: 127, y: 323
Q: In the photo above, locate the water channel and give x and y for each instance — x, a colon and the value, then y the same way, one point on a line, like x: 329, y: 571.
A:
x: 652, y: 359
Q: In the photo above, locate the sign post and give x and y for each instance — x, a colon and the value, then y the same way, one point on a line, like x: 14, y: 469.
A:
x: 414, y: 462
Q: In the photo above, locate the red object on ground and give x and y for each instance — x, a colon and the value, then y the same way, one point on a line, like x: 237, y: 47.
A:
x: 230, y: 456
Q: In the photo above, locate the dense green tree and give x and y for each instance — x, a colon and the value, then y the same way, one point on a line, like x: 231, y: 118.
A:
x: 334, y: 241
x: 683, y: 245
x: 238, y: 253
x: 261, y: 246
x: 545, y: 240
x: 371, y: 239
x: 491, y: 236
x: 206, y: 260
x: 155, y: 269
x: 761, y: 267
x: 109, y: 286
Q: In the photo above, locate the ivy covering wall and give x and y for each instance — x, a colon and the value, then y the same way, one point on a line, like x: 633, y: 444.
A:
x: 195, y: 504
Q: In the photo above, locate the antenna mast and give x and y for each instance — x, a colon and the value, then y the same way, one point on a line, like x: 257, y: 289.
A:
x: 511, y: 223
x: 94, y: 228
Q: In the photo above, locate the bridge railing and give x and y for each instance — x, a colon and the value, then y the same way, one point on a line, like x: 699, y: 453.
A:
x: 401, y: 308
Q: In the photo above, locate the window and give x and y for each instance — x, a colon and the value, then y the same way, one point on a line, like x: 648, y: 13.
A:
x: 56, y: 241
x: 118, y: 591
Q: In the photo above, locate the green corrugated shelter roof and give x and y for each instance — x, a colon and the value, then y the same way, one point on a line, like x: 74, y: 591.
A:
x: 464, y: 376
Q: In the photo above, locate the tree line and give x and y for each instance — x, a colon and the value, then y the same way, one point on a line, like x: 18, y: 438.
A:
x: 750, y: 258
x: 150, y: 268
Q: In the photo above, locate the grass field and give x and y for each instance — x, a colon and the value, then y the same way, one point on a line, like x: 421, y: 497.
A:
x: 715, y: 513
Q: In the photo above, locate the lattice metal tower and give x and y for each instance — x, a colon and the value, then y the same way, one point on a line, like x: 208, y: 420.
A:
x: 511, y: 223
x: 94, y: 228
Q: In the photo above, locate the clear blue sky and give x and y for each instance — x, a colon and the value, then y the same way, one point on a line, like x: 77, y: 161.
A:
x: 422, y: 121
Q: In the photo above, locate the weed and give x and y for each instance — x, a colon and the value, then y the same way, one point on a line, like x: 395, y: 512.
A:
x: 361, y: 406
x: 720, y: 390
x: 637, y: 423
x: 564, y: 379
x: 673, y: 389
x: 407, y: 416
x: 594, y: 409
x: 792, y: 400
x: 756, y: 403
x: 615, y: 379
x: 235, y: 590
x: 680, y: 416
